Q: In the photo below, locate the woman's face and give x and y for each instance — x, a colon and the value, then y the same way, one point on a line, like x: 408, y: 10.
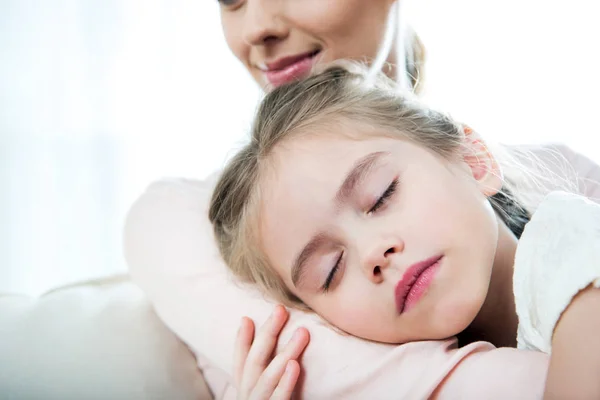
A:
x: 281, y: 40
x: 393, y: 243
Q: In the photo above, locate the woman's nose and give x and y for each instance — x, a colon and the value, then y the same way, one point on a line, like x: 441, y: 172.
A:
x: 263, y: 23
x: 380, y: 257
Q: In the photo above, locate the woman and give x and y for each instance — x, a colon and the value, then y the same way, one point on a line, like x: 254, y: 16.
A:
x: 280, y: 40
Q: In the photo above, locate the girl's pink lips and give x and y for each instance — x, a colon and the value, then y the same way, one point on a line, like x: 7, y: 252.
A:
x: 415, y: 282
x: 287, y: 69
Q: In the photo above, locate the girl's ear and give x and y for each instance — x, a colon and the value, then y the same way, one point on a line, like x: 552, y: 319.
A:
x: 482, y: 164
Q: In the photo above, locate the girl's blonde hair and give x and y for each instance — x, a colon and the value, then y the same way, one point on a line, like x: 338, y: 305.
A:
x: 341, y: 93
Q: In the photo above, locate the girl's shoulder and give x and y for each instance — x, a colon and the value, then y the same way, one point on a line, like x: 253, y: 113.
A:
x: 558, y: 255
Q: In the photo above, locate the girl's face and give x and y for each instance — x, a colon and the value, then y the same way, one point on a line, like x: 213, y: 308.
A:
x: 280, y: 40
x: 383, y: 238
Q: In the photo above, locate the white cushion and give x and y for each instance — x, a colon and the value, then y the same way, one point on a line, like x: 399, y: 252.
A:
x: 99, y: 340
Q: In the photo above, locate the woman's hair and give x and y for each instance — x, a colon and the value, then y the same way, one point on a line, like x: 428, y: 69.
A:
x: 414, y: 60
x: 341, y: 94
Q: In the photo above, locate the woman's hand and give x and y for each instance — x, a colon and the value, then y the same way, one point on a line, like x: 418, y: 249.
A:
x: 259, y: 375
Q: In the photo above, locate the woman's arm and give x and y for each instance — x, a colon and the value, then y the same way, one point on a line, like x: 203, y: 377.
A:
x: 573, y: 370
x: 504, y: 373
x: 172, y: 256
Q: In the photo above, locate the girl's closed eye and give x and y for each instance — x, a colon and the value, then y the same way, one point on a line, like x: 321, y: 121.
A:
x: 332, y: 274
x: 382, y: 200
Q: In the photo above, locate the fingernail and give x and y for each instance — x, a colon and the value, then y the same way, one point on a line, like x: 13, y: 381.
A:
x: 278, y: 310
x: 295, y: 336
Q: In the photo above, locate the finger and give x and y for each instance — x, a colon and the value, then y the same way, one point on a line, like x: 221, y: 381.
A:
x: 243, y: 342
x: 285, y: 388
x: 262, y: 348
x: 272, y: 375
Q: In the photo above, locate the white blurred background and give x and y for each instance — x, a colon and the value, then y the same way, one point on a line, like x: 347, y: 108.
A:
x: 99, y: 98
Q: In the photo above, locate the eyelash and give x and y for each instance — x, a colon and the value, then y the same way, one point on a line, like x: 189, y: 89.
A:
x: 332, y: 273
x: 381, y: 201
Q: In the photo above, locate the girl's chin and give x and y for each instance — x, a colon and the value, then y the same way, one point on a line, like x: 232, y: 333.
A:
x: 453, y: 318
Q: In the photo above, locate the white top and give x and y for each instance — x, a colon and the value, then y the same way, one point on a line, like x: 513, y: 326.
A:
x: 558, y: 255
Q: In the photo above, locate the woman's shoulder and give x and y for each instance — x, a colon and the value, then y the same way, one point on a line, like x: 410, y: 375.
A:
x: 564, y: 163
x: 579, y: 161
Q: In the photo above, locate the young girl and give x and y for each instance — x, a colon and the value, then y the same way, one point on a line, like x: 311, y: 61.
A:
x: 396, y: 224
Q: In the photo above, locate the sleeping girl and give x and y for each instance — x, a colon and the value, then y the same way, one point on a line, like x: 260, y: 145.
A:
x: 397, y: 224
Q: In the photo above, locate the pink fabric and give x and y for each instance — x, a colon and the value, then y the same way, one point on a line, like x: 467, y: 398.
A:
x: 171, y: 253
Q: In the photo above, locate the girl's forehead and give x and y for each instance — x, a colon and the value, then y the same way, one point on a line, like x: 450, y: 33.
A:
x: 307, y: 155
x: 311, y: 162
x: 329, y: 146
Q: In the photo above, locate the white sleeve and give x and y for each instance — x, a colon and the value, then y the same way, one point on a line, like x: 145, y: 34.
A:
x: 558, y: 255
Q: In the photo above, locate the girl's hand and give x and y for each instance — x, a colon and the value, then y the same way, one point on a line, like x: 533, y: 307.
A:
x: 258, y: 373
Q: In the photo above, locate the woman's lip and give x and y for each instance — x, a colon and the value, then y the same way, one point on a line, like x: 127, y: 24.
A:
x: 411, y: 279
x: 299, y: 68
x: 284, y: 62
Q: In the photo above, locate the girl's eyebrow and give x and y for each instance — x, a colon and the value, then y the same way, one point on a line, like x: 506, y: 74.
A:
x: 356, y: 175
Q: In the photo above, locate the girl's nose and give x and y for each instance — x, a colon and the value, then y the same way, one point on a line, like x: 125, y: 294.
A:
x: 379, y: 258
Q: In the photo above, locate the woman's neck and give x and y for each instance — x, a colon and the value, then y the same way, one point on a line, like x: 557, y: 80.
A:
x: 497, y: 320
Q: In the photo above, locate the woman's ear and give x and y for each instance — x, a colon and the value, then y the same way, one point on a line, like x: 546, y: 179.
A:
x: 481, y: 162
